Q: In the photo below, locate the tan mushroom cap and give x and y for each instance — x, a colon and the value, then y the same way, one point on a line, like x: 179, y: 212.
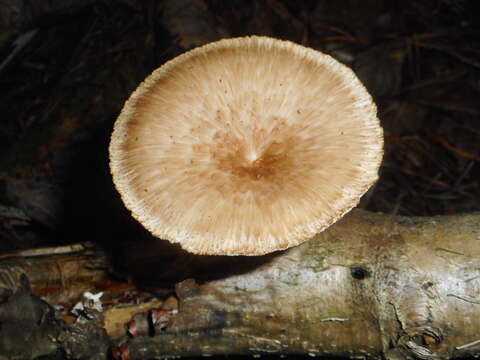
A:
x: 245, y: 146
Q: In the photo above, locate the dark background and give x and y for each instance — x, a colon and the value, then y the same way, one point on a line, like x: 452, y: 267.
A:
x: 67, y: 66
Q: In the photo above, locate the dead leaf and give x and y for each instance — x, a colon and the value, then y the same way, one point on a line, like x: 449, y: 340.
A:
x: 191, y: 21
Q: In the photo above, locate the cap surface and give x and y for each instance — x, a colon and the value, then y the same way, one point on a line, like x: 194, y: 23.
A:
x: 245, y: 146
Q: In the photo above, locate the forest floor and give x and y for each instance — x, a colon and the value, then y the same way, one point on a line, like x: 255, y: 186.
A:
x: 66, y: 68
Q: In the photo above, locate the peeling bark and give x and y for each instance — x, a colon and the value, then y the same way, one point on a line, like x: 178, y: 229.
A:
x: 371, y: 285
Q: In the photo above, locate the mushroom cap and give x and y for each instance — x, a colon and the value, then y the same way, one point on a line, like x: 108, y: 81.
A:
x: 245, y: 146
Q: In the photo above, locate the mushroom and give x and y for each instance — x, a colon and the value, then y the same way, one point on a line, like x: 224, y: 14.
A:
x: 245, y: 146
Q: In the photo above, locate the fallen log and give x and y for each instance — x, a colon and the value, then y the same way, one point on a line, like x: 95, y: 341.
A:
x: 372, y: 285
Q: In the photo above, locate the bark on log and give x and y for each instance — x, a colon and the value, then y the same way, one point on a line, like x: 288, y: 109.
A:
x: 370, y: 286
